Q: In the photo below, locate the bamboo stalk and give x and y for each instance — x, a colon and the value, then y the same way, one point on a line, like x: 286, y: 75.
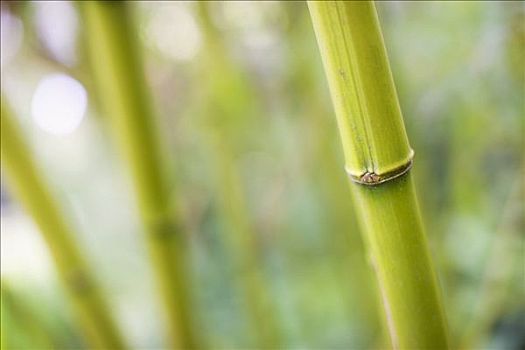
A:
x: 26, y: 184
x: 123, y: 93
x: 242, y: 243
x: 378, y: 159
x: 227, y: 84
x: 4, y: 329
x: 26, y: 319
x: 501, y: 267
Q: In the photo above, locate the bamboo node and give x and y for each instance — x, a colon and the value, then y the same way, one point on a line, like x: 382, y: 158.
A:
x: 79, y: 282
x: 371, y: 178
x: 163, y: 228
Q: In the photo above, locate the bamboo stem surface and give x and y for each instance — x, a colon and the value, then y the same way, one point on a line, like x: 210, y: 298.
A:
x: 32, y: 191
x: 378, y: 160
x: 122, y: 89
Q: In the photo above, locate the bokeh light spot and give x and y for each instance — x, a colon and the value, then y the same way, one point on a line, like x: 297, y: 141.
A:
x: 174, y: 31
x: 12, y: 32
x: 58, y: 36
x: 59, y: 104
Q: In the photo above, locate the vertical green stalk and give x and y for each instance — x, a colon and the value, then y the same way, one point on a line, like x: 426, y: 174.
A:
x: 501, y: 267
x: 25, y: 182
x: 378, y: 159
x: 243, y: 245
x: 4, y: 329
x: 228, y: 106
x: 24, y: 317
x: 122, y: 89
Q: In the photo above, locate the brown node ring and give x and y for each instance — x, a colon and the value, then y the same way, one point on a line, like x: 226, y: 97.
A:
x: 373, y: 179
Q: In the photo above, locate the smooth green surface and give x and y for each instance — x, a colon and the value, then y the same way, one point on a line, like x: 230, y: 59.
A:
x: 122, y: 90
x: 32, y: 191
x: 374, y: 140
x: 399, y: 255
x: 361, y: 86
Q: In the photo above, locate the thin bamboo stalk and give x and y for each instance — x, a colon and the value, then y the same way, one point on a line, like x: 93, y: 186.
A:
x: 230, y: 98
x: 501, y: 266
x: 123, y: 93
x: 25, y: 318
x: 243, y: 246
x: 4, y: 330
x: 26, y: 184
x: 378, y: 159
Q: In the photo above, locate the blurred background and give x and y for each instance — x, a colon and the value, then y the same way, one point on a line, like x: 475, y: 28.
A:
x: 241, y: 96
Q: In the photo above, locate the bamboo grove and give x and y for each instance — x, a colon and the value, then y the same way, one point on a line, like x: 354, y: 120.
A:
x: 290, y: 182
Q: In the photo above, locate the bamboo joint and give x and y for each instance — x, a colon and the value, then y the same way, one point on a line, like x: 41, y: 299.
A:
x: 371, y: 178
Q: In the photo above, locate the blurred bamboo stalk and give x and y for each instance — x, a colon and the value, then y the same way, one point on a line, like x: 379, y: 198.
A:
x: 227, y: 107
x: 25, y: 319
x: 501, y: 266
x: 4, y: 338
x: 26, y: 184
x: 242, y: 241
x: 378, y: 160
x: 122, y: 89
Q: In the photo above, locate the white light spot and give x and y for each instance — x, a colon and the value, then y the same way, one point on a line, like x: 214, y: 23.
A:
x: 57, y: 24
x: 174, y: 32
x: 59, y: 104
x: 12, y: 32
x: 246, y: 15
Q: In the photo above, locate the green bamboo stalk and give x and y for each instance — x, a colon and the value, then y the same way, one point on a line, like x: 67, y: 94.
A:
x: 378, y: 159
x: 4, y: 329
x: 231, y: 97
x: 243, y: 245
x: 26, y: 184
x: 26, y: 319
x: 123, y: 93
x: 501, y: 266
